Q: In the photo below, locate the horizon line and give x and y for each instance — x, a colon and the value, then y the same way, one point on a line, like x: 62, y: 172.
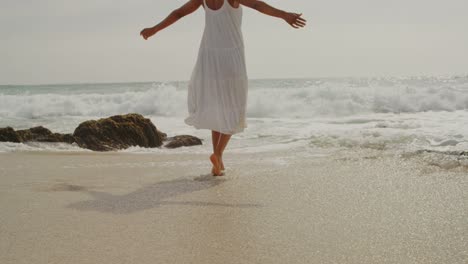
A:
x: 409, y: 76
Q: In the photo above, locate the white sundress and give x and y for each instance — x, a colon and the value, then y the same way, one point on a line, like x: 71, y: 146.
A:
x: 217, y: 91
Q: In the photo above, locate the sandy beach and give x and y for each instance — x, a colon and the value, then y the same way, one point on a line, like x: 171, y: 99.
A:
x: 356, y: 207
x: 344, y: 124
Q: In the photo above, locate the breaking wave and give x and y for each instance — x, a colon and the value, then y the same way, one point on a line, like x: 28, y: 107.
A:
x: 272, y: 98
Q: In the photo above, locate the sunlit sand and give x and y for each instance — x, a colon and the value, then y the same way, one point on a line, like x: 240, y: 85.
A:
x: 268, y: 208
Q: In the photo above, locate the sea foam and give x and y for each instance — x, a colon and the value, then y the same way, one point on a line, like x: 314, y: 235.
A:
x: 274, y: 98
x: 389, y: 114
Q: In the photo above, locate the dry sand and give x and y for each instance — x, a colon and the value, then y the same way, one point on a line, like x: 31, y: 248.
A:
x: 270, y: 208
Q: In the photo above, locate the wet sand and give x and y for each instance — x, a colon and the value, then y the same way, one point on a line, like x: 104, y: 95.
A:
x: 269, y: 208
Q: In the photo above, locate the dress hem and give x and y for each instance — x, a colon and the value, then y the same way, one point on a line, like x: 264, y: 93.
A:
x: 238, y: 130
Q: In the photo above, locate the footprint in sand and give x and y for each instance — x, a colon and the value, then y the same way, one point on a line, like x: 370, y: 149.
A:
x: 63, y: 187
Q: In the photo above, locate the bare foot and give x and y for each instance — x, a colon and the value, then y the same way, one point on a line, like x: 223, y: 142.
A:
x: 220, y: 164
x: 213, y: 172
x: 216, y: 166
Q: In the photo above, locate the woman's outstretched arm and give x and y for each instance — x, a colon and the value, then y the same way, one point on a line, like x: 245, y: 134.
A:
x: 175, y: 15
x: 293, y: 19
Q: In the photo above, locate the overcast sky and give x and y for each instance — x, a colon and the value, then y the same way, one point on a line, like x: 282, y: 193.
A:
x: 65, y: 41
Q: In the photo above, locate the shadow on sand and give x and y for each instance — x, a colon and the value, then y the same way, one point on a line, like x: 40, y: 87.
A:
x: 152, y: 196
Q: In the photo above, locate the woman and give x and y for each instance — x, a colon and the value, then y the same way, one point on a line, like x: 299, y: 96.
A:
x: 217, y: 93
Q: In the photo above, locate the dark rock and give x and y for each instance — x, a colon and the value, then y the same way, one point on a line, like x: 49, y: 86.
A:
x: 183, y: 141
x: 112, y: 133
x: 8, y: 134
x: 68, y: 138
x: 40, y: 134
x: 34, y: 134
x: 43, y: 134
x: 118, y: 132
x: 163, y: 135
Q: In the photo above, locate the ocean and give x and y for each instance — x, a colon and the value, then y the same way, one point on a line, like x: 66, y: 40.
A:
x: 317, y: 115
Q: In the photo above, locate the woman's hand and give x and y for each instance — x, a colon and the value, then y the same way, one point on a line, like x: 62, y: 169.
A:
x: 147, y: 32
x: 295, y: 20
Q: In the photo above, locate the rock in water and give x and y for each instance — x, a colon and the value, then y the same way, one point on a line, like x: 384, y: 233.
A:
x: 8, y: 134
x: 112, y: 133
x: 40, y: 134
x: 183, y: 141
x: 43, y: 134
x: 118, y: 132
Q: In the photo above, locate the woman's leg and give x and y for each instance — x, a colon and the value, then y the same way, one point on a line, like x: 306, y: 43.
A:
x: 217, y: 157
x: 223, y: 141
x: 215, y: 135
x: 215, y: 139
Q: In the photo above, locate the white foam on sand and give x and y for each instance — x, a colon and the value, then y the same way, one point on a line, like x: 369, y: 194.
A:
x: 7, y: 147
